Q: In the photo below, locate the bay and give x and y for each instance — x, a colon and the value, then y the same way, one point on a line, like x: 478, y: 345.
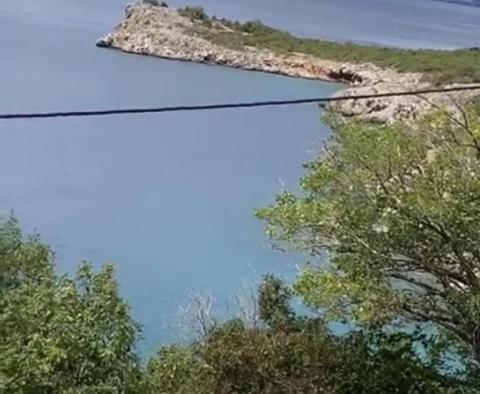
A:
x: 169, y: 198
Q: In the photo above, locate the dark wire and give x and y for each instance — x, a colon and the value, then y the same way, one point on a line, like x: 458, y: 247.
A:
x: 319, y: 100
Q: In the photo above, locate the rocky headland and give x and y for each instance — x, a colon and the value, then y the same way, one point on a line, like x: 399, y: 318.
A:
x: 154, y: 30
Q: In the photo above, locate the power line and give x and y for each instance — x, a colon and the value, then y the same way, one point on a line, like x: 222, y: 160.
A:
x: 205, y: 107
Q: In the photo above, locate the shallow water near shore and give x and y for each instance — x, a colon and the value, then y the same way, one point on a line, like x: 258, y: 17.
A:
x: 169, y: 198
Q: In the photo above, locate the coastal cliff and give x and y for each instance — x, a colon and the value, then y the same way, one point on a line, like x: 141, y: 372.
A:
x: 154, y: 30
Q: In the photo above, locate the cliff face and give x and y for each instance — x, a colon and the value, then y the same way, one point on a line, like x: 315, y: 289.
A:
x: 164, y: 32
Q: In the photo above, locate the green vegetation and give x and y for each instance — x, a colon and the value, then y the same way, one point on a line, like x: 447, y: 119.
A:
x: 155, y: 3
x: 397, y: 210
x: 291, y: 355
x: 75, y: 336
x: 441, y: 67
x: 60, y: 335
x: 195, y: 14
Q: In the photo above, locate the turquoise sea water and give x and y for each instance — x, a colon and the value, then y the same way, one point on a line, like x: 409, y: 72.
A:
x: 169, y: 198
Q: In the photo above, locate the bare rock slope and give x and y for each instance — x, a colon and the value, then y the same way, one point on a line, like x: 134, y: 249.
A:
x: 164, y: 32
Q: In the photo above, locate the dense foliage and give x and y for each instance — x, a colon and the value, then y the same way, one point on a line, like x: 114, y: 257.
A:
x: 397, y: 208
x: 441, y: 66
x: 299, y: 355
x: 391, y: 214
x: 60, y: 335
x: 195, y: 14
x: 156, y: 3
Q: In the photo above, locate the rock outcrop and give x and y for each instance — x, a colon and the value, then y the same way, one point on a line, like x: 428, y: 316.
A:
x: 164, y: 32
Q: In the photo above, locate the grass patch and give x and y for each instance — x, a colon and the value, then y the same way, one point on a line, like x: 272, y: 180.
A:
x: 439, y: 66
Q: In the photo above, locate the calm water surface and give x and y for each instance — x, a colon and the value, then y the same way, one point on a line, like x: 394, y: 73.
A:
x: 403, y: 23
x: 169, y: 198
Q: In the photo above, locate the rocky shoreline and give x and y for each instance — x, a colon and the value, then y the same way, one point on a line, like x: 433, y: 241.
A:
x: 164, y: 32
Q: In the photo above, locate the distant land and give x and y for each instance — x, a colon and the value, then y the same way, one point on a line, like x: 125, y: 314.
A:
x: 472, y: 3
x: 189, y: 34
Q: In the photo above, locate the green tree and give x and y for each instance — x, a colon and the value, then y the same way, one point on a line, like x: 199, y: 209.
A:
x: 274, y: 303
x: 396, y: 210
x: 177, y: 369
x: 299, y: 355
x: 60, y: 335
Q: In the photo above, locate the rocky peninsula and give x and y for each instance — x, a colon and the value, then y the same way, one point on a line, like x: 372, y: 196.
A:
x: 157, y: 30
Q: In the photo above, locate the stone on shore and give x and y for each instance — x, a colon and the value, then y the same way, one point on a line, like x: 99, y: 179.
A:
x: 163, y: 32
x: 105, y: 42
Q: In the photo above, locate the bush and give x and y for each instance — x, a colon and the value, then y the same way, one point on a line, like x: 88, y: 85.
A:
x: 175, y: 369
x: 300, y: 355
x: 439, y: 66
x: 194, y: 14
x: 155, y: 3
x: 307, y: 359
x: 60, y: 335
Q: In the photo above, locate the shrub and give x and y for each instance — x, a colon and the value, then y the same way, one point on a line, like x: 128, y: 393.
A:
x: 301, y: 355
x: 61, y: 335
x: 194, y: 14
x: 155, y: 3
x: 439, y: 66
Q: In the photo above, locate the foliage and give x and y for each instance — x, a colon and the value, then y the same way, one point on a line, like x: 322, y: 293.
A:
x: 441, y: 66
x: 274, y: 303
x: 177, y: 370
x: 302, y: 356
x: 397, y: 208
x: 60, y: 335
x: 194, y: 14
x: 156, y: 3
x: 75, y: 336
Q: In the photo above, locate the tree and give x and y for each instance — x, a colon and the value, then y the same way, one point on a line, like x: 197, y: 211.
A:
x: 60, y: 335
x: 396, y: 208
x: 274, y: 303
x: 291, y: 354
